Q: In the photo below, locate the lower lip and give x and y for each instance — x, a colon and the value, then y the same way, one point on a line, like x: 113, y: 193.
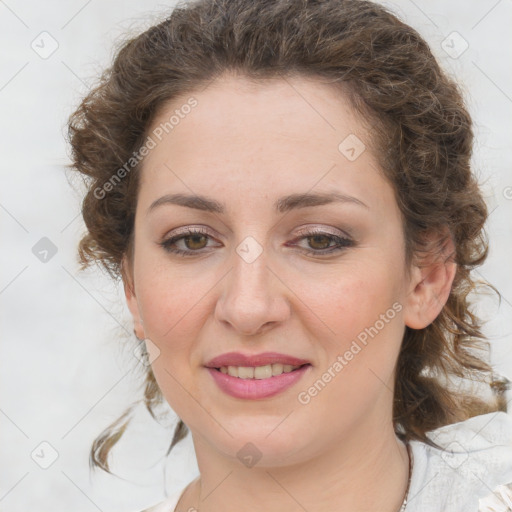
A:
x: 254, y: 389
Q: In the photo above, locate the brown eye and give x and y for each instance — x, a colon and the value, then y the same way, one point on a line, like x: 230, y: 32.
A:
x: 195, y: 241
x: 319, y: 242
x: 323, y: 243
x: 192, y: 241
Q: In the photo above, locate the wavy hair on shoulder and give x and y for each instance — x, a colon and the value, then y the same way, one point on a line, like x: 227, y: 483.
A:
x: 421, y: 133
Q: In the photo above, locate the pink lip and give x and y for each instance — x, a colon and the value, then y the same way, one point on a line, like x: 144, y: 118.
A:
x: 239, y: 359
x: 254, y: 389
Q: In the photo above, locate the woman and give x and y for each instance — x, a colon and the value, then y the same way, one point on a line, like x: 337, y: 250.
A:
x: 285, y: 189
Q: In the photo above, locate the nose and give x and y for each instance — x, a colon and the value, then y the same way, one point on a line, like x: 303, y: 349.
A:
x: 253, y: 297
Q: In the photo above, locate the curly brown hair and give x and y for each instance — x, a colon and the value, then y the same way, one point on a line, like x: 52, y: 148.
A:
x: 421, y: 133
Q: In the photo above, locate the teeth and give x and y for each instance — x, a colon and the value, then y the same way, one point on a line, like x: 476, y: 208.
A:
x: 258, y: 372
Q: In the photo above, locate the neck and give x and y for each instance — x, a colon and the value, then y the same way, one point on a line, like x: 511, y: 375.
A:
x: 366, y: 470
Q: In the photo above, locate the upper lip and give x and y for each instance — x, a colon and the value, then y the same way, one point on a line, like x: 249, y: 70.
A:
x: 239, y: 359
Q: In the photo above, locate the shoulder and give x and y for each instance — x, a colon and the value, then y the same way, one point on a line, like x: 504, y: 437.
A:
x: 168, y: 505
x: 474, y: 458
x: 499, y: 501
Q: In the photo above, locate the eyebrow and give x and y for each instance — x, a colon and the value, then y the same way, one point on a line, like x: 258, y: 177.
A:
x: 282, y: 205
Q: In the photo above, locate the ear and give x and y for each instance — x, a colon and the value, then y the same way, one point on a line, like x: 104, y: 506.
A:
x: 131, y: 299
x: 431, y: 280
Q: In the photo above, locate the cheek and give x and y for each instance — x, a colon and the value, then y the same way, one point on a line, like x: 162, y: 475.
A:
x: 360, y: 353
x: 362, y: 310
x: 174, y: 308
x: 354, y: 300
x: 171, y: 303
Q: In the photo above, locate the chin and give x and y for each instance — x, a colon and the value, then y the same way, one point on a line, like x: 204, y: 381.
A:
x: 271, y: 443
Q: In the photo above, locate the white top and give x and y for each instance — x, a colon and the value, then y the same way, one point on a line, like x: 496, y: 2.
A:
x: 476, y: 459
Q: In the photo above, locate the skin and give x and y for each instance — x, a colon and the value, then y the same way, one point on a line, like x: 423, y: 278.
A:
x: 246, y: 145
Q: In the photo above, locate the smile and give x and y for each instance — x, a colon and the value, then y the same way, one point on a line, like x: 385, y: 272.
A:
x: 258, y: 372
x: 253, y: 383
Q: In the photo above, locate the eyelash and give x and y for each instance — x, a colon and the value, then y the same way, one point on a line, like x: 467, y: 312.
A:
x: 342, y: 242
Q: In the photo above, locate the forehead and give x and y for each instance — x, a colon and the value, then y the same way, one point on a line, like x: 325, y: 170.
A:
x: 266, y: 138
x: 237, y: 109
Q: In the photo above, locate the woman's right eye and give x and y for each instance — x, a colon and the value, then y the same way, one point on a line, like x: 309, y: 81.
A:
x: 191, y: 238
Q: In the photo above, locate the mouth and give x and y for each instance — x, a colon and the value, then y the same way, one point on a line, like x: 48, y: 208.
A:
x: 257, y: 382
x: 259, y: 372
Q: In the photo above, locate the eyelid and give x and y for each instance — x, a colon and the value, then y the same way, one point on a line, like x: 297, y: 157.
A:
x: 196, y: 228
x: 308, y: 230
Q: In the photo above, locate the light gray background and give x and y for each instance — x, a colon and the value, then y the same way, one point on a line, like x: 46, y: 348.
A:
x: 66, y: 365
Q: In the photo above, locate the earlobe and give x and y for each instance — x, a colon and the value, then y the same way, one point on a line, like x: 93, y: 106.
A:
x: 131, y: 299
x: 430, y: 285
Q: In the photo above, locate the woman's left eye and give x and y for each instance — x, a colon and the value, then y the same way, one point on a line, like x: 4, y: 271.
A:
x: 319, y: 242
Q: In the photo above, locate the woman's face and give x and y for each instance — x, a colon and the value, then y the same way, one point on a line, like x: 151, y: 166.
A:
x: 320, y: 280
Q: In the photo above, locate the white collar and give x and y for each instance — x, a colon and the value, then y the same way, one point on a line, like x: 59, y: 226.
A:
x: 478, y: 458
